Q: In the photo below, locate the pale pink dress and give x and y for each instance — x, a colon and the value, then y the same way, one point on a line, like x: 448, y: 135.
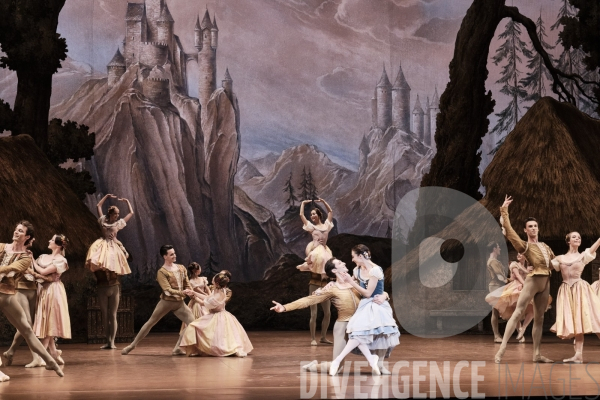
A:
x: 317, y: 252
x: 52, y: 314
x: 577, y: 305
x: 198, y: 285
x: 108, y: 253
x: 504, y: 299
x: 217, y: 333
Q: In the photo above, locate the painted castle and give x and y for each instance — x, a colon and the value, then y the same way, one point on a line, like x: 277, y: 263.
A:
x: 151, y: 43
x: 390, y: 106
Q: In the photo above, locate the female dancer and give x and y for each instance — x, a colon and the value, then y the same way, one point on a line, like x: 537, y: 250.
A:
x: 52, y: 316
x: 372, y: 327
x: 199, y: 285
x: 577, y: 306
x: 317, y: 254
x: 504, y: 299
x: 596, y: 287
x: 497, y: 280
x: 107, y: 259
x: 108, y: 253
x: 217, y: 333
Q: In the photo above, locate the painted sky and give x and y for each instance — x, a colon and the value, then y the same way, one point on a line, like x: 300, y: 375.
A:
x: 304, y: 70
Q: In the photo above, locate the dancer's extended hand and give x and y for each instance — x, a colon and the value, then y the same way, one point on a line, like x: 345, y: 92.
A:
x: 278, y: 307
x: 344, y: 277
x: 379, y: 299
x: 507, y: 200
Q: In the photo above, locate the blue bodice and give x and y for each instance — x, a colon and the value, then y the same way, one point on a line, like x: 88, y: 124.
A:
x: 364, y: 283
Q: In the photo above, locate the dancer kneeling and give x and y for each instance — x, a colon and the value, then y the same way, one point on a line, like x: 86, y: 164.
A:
x: 372, y: 327
x: 577, y: 306
x: 217, y: 333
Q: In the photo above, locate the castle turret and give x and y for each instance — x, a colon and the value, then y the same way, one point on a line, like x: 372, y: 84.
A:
x: 384, y: 101
x: 401, y: 102
x: 374, y: 108
x: 427, y: 124
x: 418, y: 116
x: 135, y: 33
x: 214, y: 33
x: 115, y: 68
x: 156, y: 88
x: 164, y: 27
x: 434, y: 110
x: 227, y: 83
x: 154, y: 53
x: 207, y: 62
x: 198, y: 35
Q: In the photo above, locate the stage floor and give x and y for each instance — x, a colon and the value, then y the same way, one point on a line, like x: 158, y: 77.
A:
x: 273, y: 371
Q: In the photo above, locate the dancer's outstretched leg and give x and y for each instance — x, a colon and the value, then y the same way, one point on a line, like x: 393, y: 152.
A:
x: 326, y: 306
x: 312, y: 324
x: 578, y: 357
x: 187, y: 317
x: 162, y: 308
x: 351, y: 345
x: 494, y: 321
x: 524, y: 325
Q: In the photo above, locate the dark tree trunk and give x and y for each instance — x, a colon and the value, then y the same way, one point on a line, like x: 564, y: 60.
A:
x: 465, y: 105
x: 32, y: 106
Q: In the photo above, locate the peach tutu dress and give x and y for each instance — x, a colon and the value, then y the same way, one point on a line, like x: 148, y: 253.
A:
x: 52, y: 314
x: 317, y: 252
x: 217, y: 333
x: 108, y: 253
x: 577, y: 305
x: 198, y: 285
x: 504, y: 299
x: 596, y: 287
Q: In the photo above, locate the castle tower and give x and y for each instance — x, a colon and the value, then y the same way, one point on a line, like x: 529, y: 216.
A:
x: 115, y: 68
x: 198, y: 35
x: 427, y: 124
x: 434, y: 110
x: 227, y: 83
x: 401, y: 102
x: 207, y: 61
x: 214, y: 33
x: 135, y: 33
x: 418, y: 116
x: 153, y: 53
x: 164, y: 27
x: 384, y: 101
x: 156, y: 88
x: 374, y: 108
x: 154, y: 10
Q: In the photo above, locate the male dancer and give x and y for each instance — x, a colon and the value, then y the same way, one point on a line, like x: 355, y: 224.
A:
x: 26, y: 296
x: 537, y: 283
x: 14, y: 261
x: 345, y: 299
x: 175, y: 285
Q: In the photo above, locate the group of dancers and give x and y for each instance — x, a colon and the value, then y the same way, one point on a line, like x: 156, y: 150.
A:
x: 364, y: 313
x: 527, y: 296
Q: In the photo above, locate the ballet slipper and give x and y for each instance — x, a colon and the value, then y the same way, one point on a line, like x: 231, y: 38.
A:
x: 384, y: 370
x: 306, y: 367
x: 4, y: 377
x: 7, y: 357
x: 58, y: 358
x: 326, y: 341
x: 178, y: 352
x: 374, y: 366
x: 542, y: 359
x: 37, y: 362
x: 497, y: 340
x: 499, y: 355
x: 522, y: 340
x: 127, y: 350
x: 240, y: 354
x: 108, y: 346
x: 53, y: 366
x: 576, y: 359
x: 333, y: 368
x: 314, y: 343
x: 520, y: 335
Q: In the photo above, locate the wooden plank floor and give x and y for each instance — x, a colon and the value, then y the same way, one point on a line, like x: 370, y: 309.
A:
x: 273, y: 371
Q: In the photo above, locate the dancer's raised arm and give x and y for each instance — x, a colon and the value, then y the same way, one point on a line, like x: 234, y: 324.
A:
x: 302, y: 217
x: 511, y: 235
x: 329, y: 210
x: 130, y: 214
x: 101, y: 202
x: 595, y: 246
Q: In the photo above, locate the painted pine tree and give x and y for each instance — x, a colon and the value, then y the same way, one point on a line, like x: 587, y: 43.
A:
x: 509, y: 53
x: 535, y: 80
x: 313, y: 193
x: 304, y: 186
x: 289, y: 189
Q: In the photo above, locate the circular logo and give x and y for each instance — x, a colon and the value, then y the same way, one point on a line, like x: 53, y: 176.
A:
x: 441, y: 244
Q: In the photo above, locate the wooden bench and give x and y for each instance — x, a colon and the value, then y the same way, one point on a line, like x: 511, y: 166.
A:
x: 440, y: 314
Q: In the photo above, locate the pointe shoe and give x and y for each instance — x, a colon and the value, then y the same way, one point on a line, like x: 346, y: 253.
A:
x: 108, y: 346
x: 498, y: 356
x: 37, y: 362
x: 333, y: 368
x: 521, y: 335
x: 306, y: 367
x: 374, y: 366
x: 4, y: 377
x: 127, y: 350
x: 54, y: 367
x: 178, y: 352
x: 314, y: 343
x: 326, y: 341
x: 384, y: 370
x: 240, y: 354
x: 497, y: 340
x: 522, y: 340
x: 542, y: 359
x: 576, y: 359
x: 58, y: 358
x: 7, y: 358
